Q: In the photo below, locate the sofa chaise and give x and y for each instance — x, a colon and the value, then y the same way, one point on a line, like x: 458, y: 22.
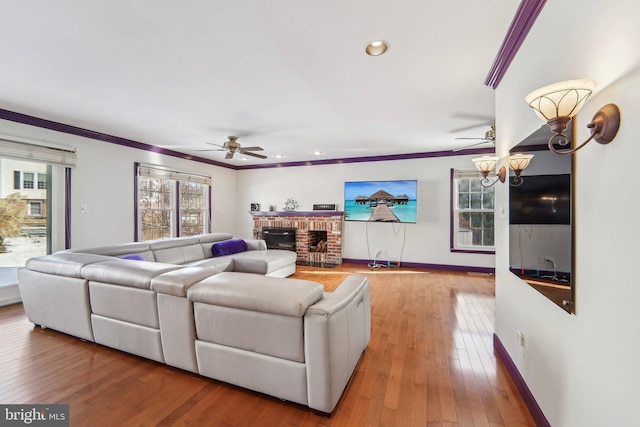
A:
x: 233, y: 317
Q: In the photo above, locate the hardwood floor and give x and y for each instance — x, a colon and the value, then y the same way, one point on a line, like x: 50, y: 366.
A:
x: 430, y: 363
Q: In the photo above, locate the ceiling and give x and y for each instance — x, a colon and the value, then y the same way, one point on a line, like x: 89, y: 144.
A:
x: 291, y: 76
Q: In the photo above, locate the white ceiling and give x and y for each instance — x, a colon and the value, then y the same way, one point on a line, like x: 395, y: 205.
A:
x: 290, y: 76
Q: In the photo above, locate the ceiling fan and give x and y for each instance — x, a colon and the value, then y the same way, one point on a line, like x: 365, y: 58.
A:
x: 489, y: 136
x: 232, y: 146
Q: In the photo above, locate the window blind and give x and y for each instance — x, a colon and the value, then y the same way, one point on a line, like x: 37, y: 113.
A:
x: 154, y: 171
x: 466, y: 174
x: 37, y: 152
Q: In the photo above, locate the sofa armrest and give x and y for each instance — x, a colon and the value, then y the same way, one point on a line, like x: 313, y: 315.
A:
x: 337, y: 331
x: 256, y: 244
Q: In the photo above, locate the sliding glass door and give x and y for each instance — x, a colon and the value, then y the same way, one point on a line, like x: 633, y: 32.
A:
x: 25, y: 214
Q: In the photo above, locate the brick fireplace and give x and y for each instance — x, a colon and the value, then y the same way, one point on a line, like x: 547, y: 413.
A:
x: 318, y: 233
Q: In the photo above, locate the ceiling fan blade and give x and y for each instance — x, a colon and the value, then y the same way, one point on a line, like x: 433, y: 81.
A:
x: 249, y: 153
x: 217, y: 145
x: 469, y: 146
x: 252, y: 148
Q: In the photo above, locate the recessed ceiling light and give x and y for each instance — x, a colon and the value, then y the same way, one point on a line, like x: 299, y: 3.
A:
x: 279, y: 156
x: 376, y: 48
x: 317, y: 153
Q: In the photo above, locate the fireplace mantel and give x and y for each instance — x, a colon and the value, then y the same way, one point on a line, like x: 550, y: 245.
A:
x: 297, y: 213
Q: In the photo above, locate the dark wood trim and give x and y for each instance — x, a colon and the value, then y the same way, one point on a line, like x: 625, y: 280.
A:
x: 527, y: 396
x: 522, y: 22
x: 387, y: 158
x: 297, y: 213
x: 86, y: 133
x: 135, y: 202
x: 67, y: 208
x: 426, y: 266
x: 472, y: 251
x: 451, y: 208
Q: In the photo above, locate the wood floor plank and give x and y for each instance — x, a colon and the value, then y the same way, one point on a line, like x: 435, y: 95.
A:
x: 430, y: 362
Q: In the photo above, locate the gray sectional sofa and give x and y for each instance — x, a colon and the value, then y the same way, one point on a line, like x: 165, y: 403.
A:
x: 234, y: 318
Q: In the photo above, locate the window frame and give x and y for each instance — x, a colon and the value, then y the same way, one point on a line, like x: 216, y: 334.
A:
x: 454, y: 211
x: 32, y: 181
x: 173, y: 180
x: 201, y: 207
x: 30, y: 213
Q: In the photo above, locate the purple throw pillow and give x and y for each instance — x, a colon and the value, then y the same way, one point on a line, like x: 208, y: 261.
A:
x: 135, y: 257
x: 228, y: 247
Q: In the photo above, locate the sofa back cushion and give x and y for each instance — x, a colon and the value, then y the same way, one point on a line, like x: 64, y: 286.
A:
x: 138, y: 248
x: 177, y: 251
x: 228, y: 247
x: 135, y: 274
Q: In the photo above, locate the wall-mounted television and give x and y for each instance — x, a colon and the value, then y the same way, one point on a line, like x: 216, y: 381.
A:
x: 541, y: 199
x: 381, y: 201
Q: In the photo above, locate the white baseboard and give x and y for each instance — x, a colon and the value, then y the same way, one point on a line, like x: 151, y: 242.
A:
x: 9, y: 295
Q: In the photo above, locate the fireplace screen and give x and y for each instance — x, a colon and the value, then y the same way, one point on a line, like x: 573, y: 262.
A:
x: 280, y: 238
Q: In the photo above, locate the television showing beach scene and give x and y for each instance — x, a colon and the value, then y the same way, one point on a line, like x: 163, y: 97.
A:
x: 380, y: 201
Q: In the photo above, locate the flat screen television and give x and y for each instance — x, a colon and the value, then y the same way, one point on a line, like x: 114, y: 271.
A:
x: 381, y: 201
x: 541, y: 199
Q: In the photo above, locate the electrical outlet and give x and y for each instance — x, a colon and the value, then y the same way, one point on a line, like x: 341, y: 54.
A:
x: 540, y: 259
x: 521, y: 338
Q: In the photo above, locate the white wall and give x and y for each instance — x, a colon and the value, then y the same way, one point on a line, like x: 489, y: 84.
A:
x: 582, y: 368
x: 427, y: 241
x: 103, y: 181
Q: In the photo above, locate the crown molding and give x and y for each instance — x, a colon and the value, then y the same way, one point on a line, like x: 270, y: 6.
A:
x: 522, y: 22
x: 86, y: 133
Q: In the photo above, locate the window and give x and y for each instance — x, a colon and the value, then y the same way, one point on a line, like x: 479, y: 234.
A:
x: 193, y: 208
x: 42, y: 181
x: 170, y: 203
x: 155, y: 205
x: 34, y: 208
x: 25, y: 224
x: 27, y: 180
x: 473, y: 213
x: 30, y: 210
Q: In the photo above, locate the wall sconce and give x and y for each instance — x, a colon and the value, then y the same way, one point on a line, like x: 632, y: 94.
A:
x: 485, y: 165
x: 557, y: 103
x: 517, y: 162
